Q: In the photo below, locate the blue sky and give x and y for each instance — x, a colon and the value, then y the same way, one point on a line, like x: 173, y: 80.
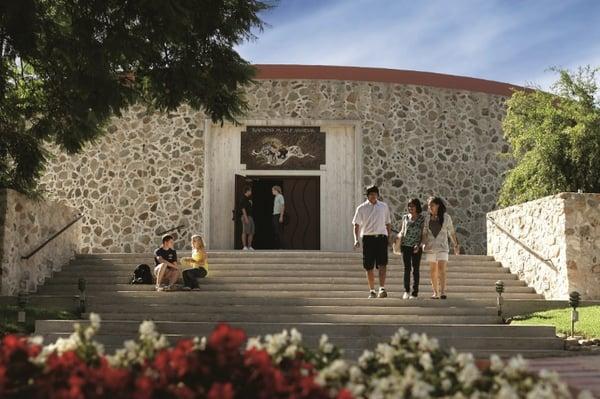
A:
x: 512, y: 41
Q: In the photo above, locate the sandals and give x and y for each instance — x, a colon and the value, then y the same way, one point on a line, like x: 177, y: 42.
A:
x: 443, y: 296
x: 434, y: 296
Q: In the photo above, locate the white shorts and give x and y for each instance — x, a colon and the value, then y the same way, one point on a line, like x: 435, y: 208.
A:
x: 436, y: 256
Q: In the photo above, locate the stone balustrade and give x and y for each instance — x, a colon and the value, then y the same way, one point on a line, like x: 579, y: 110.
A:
x: 552, y: 243
x: 24, y: 225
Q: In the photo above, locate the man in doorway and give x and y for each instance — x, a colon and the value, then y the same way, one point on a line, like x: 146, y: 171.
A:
x: 372, y: 223
x: 247, y: 219
x: 166, y: 270
x: 278, y: 215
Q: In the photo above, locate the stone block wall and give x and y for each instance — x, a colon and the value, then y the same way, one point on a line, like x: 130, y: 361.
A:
x: 143, y: 177
x: 560, y: 250
x: 25, y: 224
x: 146, y: 174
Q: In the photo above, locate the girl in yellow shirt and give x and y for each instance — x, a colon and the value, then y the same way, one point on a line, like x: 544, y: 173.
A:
x: 197, y: 264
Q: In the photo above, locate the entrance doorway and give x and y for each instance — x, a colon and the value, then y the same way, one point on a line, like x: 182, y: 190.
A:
x: 302, y: 197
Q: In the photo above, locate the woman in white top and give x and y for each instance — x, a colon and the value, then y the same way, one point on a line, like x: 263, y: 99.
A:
x: 436, y: 231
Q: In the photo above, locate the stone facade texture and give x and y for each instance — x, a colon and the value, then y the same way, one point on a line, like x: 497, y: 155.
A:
x: 552, y: 243
x: 26, y: 224
x: 146, y: 174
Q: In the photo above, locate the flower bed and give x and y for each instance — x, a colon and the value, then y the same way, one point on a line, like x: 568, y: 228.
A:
x: 227, y: 365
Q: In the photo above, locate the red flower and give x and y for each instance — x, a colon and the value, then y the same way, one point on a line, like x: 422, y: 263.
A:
x: 221, y: 391
x: 226, y: 338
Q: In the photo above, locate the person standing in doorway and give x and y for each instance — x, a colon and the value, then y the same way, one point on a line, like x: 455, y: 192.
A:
x: 247, y: 219
x: 372, y: 223
x: 278, y: 215
x: 436, y: 232
x: 410, y: 246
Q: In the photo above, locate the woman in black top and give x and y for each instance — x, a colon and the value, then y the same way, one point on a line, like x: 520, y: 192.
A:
x: 410, y: 246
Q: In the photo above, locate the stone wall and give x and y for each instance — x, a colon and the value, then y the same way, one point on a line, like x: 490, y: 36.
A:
x: 146, y: 174
x: 560, y: 250
x: 25, y: 224
x: 143, y: 177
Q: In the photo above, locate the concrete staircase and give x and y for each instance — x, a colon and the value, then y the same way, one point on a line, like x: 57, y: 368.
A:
x: 316, y: 292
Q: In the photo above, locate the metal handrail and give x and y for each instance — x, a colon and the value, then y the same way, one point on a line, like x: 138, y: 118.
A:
x: 79, y: 216
x: 546, y: 260
x: 170, y: 230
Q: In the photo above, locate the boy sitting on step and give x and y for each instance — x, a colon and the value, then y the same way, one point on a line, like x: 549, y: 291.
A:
x: 166, y: 270
x: 197, y: 265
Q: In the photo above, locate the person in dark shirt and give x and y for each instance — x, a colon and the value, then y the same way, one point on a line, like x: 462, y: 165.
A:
x: 247, y: 219
x: 166, y: 270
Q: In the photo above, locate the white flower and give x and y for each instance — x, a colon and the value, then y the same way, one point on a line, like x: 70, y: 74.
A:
x: 426, y: 361
x: 496, y: 364
x: 355, y: 374
x: 507, y: 392
x: 468, y: 375
x: 254, y: 343
x: 465, y: 358
x: 89, y: 334
x: 200, y: 343
x: 446, y: 384
x: 551, y: 376
x: 36, y: 340
x: 386, y: 353
x: 130, y: 345
x: 95, y: 320
x: 585, y: 395
x: 147, y: 329
x: 541, y: 391
x: 365, y: 358
x: 333, y: 372
x: 295, y: 337
x: 290, y: 351
x: 399, y: 336
x: 427, y: 344
x: 518, y: 363
x: 421, y: 389
x: 161, y: 343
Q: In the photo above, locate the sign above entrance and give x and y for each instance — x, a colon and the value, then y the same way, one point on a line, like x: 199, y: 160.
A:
x: 283, y: 147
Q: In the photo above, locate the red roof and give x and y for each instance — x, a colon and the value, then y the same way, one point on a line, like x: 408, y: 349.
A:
x: 323, y: 72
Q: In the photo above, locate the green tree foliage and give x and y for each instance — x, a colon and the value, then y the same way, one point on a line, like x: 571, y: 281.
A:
x: 555, y: 138
x: 68, y: 65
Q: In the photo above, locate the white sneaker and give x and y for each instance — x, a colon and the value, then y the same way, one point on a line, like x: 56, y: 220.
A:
x: 406, y: 295
x: 413, y: 297
x: 251, y: 249
x: 245, y: 249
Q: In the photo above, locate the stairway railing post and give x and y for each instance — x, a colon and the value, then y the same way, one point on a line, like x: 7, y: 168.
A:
x: 500, y: 299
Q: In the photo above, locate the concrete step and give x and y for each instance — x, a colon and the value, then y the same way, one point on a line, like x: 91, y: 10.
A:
x: 216, y: 285
x: 269, y: 254
x: 294, y: 269
x: 452, y: 280
x: 91, y: 271
x: 275, y: 308
x: 362, y: 293
x: 208, y: 299
x: 272, y: 263
x: 230, y: 316
x: 311, y: 328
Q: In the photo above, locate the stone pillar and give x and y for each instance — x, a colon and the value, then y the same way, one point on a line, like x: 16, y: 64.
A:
x: 552, y: 243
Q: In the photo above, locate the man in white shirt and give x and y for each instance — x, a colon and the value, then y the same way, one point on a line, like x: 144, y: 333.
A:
x: 372, y: 223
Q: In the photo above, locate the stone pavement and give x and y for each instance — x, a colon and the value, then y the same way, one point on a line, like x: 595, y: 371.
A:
x: 580, y: 372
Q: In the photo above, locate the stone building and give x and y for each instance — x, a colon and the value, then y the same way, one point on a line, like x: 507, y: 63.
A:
x: 322, y: 133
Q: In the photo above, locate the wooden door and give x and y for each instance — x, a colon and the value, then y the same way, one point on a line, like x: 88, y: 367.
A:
x: 240, y: 183
x: 302, y: 205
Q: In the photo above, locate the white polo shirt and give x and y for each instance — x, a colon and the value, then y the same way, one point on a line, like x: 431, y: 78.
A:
x: 372, y: 218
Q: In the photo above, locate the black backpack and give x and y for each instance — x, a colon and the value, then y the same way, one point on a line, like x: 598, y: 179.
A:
x: 142, y: 275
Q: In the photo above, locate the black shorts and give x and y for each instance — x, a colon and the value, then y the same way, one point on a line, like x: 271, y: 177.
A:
x: 375, y: 251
